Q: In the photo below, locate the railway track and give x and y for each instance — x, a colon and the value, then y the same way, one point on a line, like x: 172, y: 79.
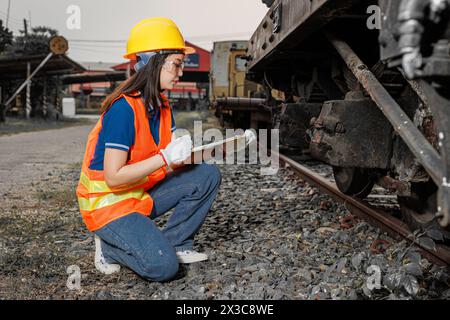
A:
x: 375, y: 216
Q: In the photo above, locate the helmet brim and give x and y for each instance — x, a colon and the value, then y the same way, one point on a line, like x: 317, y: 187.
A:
x: 186, y: 51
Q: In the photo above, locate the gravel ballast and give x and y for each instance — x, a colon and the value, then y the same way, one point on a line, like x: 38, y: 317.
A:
x: 267, y: 237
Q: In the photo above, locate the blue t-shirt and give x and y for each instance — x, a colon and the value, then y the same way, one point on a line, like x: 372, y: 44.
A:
x: 118, y: 131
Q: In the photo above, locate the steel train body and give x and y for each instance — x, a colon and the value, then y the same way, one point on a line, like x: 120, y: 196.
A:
x: 365, y: 88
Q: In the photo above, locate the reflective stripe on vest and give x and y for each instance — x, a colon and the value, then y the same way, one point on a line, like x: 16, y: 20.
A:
x: 95, y: 203
x: 98, y: 186
x: 99, y: 204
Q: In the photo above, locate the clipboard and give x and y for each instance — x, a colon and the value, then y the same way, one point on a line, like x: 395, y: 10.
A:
x: 207, y: 151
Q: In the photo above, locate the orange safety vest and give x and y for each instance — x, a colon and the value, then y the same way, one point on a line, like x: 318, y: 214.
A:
x: 99, y: 204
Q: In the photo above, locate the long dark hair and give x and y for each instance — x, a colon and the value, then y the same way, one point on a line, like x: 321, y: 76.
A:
x: 146, y: 82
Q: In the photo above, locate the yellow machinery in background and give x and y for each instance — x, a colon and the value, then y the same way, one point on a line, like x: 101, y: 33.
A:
x: 233, y: 96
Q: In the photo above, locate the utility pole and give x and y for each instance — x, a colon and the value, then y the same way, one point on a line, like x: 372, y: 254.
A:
x: 25, y: 27
x: 7, y: 13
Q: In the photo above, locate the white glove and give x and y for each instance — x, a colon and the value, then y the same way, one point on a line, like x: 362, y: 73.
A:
x: 178, y: 150
x: 250, y: 136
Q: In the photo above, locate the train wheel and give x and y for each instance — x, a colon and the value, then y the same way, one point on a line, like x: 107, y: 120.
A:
x: 354, y: 182
x: 418, y: 211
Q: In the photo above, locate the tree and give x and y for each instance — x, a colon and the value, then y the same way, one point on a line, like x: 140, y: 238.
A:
x: 34, y: 43
x: 6, y: 37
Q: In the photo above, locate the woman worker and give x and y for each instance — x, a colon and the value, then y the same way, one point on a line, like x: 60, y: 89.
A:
x: 125, y: 182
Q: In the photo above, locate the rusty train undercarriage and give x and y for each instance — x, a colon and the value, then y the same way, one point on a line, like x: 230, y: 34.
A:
x: 365, y: 88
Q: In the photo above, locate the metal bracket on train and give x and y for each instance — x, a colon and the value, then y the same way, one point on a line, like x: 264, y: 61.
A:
x: 440, y: 107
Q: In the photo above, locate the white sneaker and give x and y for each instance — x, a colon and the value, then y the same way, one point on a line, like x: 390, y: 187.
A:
x: 100, y: 261
x: 191, y: 256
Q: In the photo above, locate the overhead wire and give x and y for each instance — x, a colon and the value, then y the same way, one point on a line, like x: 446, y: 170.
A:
x: 89, y: 50
x: 11, y: 18
x: 13, y: 25
x: 17, y: 24
x: 95, y: 45
x: 205, y: 38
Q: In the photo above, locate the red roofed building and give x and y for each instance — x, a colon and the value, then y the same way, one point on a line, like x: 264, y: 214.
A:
x: 90, y: 95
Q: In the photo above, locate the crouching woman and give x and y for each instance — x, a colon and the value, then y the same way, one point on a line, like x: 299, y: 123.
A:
x: 126, y: 182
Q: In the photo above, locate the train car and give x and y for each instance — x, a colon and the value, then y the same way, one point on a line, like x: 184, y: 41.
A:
x: 366, y: 85
x: 227, y: 73
x: 230, y: 91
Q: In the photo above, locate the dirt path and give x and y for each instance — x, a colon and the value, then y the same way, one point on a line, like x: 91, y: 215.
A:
x: 31, y: 156
x: 40, y: 225
x: 42, y: 235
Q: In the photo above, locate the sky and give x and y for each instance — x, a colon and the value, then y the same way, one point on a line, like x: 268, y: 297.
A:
x: 97, y: 30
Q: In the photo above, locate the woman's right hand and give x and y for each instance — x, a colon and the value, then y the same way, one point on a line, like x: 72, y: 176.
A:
x: 177, y: 151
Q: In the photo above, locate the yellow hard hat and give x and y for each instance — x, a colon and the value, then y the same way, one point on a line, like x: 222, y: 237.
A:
x: 155, y: 34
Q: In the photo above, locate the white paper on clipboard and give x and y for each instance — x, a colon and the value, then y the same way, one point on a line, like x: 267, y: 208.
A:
x: 205, y: 152
x: 224, y: 143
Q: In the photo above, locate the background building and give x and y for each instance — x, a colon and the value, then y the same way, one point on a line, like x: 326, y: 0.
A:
x: 90, y: 95
x: 193, y: 89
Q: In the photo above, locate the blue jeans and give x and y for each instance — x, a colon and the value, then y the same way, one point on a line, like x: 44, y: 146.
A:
x: 137, y: 243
